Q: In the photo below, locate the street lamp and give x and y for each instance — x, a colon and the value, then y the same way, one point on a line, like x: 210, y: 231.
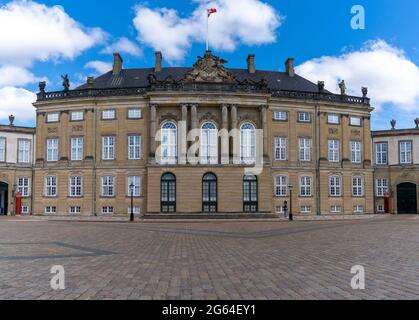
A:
x: 290, y: 215
x: 131, y: 189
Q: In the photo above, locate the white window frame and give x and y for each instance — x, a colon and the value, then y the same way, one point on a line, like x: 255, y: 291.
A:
x: 135, y: 113
x: 134, y: 147
x: 281, y: 148
x: 77, y: 148
x: 281, y: 186
x: 405, y: 152
x: 248, y: 143
x: 23, y: 186
x: 53, y: 145
x: 75, y: 210
x: 24, y: 209
x: 108, y: 210
x: 305, y: 209
x: 355, y: 121
x: 137, y: 185
x: 109, y: 114
x: 280, y: 115
x: 357, y: 186
x: 356, y: 151
x: 75, y: 186
x: 380, y: 208
x: 168, y: 145
x: 137, y: 210
x: 306, y: 183
x: 358, y: 209
x: 51, y: 186
x: 77, y: 115
x: 335, y: 209
x: 50, y: 209
x: 333, y: 118
x: 108, y: 186
x: 209, y: 143
x: 381, y: 187
x: 3, y: 143
x: 334, y: 150
x: 108, y: 148
x: 304, y: 117
x: 24, y: 151
x: 335, y: 186
x: 53, y: 117
x: 381, y: 155
x: 305, y: 149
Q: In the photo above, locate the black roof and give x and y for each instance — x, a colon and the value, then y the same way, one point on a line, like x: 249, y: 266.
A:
x: 138, y: 78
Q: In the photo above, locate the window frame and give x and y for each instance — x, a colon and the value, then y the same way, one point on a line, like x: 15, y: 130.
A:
x: 355, y: 153
x: 329, y: 115
x: 129, y: 117
x: 380, y: 188
x: 280, y: 186
x: 132, y: 148
x: 410, y: 152
x: 54, y: 151
x: 74, y: 187
x: 247, y: 148
x: 275, y: 113
x: 105, y: 183
x: 106, y: 156
x: 26, y: 151
x: 333, y: 150
x: 23, y: 188
x: 211, y: 145
x: 281, y: 148
x: 137, y: 188
x: 49, y: 187
x: 335, y: 190
x: 72, y: 113
x: 3, y: 151
x: 377, y: 152
x: 170, y: 146
x: 307, y: 119
x: 357, y: 187
x: 51, y: 114
x: 105, y: 111
x: 306, y: 186
x: 355, y: 125
x: 80, y: 149
x: 302, y: 150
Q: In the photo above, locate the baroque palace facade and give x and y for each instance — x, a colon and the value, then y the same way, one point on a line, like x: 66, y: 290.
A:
x: 204, y: 139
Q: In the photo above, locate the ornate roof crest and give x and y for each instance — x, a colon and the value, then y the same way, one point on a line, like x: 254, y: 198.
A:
x: 209, y: 69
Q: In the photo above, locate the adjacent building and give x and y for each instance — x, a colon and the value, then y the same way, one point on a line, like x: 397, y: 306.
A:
x: 202, y: 139
x: 16, y: 161
x: 396, y: 162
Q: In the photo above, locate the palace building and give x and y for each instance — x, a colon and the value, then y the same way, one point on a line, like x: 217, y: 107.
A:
x: 202, y: 140
x: 396, y: 161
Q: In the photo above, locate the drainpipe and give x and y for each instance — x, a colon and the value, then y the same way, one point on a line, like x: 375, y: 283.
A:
x: 317, y: 133
x: 94, y: 196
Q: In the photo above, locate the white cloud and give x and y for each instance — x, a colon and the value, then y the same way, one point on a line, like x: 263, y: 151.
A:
x: 15, y: 76
x: 391, y: 77
x: 33, y: 31
x: 124, y: 45
x: 18, y: 102
x: 250, y: 22
x: 101, y: 67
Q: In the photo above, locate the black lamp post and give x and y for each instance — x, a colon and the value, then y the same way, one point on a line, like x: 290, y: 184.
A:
x: 131, y: 188
x: 290, y: 215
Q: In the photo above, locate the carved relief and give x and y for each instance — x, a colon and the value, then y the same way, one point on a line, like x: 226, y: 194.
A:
x: 77, y: 128
x: 333, y: 131
x: 208, y: 117
x: 356, y: 132
x: 52, y: 130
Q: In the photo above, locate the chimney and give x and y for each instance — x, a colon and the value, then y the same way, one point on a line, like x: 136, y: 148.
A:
x: 159, y: 59
x: 90, y: 82
x: 251, y: 63
x: 117, y: 63
x: 289, y: 67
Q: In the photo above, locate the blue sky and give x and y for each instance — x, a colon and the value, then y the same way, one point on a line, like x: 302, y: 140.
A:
x: 316, y: 33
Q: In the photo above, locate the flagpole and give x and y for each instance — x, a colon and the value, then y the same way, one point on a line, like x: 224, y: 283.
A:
x: 207, y: 29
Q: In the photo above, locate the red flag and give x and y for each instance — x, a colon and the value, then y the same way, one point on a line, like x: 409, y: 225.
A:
x: 211, y: 11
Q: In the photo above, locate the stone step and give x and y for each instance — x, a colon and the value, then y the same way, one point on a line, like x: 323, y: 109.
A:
x: 206, y: 216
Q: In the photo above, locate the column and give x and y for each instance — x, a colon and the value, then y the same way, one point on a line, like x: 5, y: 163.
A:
x: 345, y: 139
x: 367, y: 142
x: 153, y: 113
x: 225, y: 152
x: 194, y: 134
x: 236, y: 135
x: 182, y: 135
x: 264, y: 114
x: 65, y: 138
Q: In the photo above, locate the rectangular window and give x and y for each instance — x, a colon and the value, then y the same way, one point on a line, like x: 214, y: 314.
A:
x: 335, y: 186
x: 136, y: 182
x: 24, y: 209
x: 358, y: 209
x: 335, y: 209
x: 76, y: 189
x: 281, y: 186
x: 77, y: 148
x: 108, y: 114
x: 108, y: 186
x: 23, y: 186
x: 75, y: 210
x: 280, y: 116
x: 52, y: 150
x: 380, y: 208
x: 406, y: 152
x: 305, y: 149
x: 357, y: 187
x: 305, y: 209
x: 281, y: 152
x: 51, y: 186
x: 51, y: 209
x: 134, y: 114
x: 134, y: 147
x: 136, y: 210
x: 304, y: 117
x: 53, y: 117
x: 381, y: 153
x: 77, y: 116
x: 381, y: 185
x: 334, y: 150
x: 305, y: 186
x: 108, y: 148
x: 24, y: 151
x: 2, y: 149
x: 355, y: 121
x: 279, y: 209
x: 107, y: 210
x: 356, y: 153
x: 333, y: 119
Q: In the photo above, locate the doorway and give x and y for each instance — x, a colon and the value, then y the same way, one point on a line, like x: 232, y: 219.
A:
x: 4, y: 198
x: 407, y: 198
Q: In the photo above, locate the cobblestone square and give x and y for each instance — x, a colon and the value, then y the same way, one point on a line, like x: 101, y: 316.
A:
x: 210, y: 260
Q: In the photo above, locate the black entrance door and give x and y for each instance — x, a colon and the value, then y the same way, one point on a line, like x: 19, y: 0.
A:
x: 250, y: 194
x: 4, y: 192
x: 209, y: 193
x: 168, y: 193
x: 407, y: 198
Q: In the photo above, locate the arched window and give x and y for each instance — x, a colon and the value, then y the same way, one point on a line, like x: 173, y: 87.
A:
x: 168, y: 193
x: 209, y: 143
x: 250, y: 193
x: 168, y: 143
x: 248, y: 143
x: 209, y: 193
